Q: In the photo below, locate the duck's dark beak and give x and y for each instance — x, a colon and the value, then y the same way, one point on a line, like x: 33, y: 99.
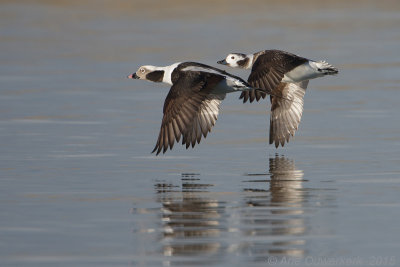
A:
x: 222, y: 62
x: 133, y: 76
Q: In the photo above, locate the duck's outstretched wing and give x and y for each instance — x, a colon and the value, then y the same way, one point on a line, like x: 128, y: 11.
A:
x: 286, y: 113
x: 190, y: 110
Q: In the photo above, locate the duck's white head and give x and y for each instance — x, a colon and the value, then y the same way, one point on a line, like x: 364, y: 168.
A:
x: 149, y: 73
x: 236, y: 60
x: 155, y: 74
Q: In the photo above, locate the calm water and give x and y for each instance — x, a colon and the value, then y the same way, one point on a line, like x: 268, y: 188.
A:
x: 79, y: 187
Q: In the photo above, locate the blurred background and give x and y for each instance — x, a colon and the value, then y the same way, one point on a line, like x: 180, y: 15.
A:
x: 78, y: 185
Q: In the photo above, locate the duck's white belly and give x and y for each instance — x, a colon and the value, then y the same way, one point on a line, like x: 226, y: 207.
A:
x: 230, y: 85
x: 223, y: 87
x: 306, y: 71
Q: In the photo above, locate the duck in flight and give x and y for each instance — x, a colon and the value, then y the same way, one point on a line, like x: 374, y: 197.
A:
x: 286, y: 77
x: 192, y: 104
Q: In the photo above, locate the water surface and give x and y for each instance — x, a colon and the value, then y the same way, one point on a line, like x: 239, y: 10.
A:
x: 79, y: 187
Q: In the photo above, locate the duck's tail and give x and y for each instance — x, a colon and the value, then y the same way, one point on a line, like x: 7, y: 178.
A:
x: 325, y: 68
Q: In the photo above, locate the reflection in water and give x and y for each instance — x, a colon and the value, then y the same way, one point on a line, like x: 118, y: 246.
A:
x: 191, y: 221
x: 275, y: 213
x: 197, y: 228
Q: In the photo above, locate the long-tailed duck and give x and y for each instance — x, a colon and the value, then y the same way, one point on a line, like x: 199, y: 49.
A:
x: 192, y: 104
x: 286, y: 76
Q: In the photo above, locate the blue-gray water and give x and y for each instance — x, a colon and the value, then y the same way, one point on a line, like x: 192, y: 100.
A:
x: 79, y: 187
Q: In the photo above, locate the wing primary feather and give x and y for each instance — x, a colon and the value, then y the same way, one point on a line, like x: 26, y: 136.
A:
x: 211, y: 115
x: 183, y: 139
x: 177, y: 132
x: 187, y: 144
x: 194, y: 132
x: 198, y: 131
x: 271, y: 131
x: 180, y: 124
x: 155, y: 148
x: 161, y: 140
x: 171, y: 135
x: 203, y: 123
x: 245, y: 96
x: 207, y: 120
x: 165, y: 141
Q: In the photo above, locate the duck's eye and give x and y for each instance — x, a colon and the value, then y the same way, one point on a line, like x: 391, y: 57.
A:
x: 232, y: 57
x: 141, y: 70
